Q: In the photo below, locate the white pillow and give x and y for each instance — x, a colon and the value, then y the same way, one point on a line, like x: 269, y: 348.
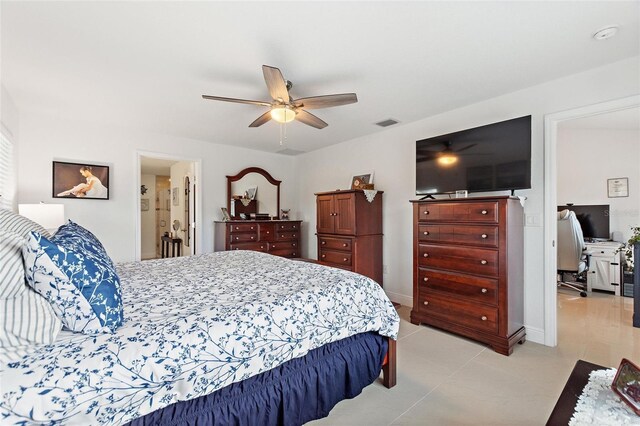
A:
x: 26, y: 318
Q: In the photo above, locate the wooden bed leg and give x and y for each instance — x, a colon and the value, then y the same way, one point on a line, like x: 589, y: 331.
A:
x: 389, y: 367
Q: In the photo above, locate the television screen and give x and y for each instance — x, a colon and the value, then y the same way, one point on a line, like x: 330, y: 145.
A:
x: 495, y: 157
x: 594, y: 220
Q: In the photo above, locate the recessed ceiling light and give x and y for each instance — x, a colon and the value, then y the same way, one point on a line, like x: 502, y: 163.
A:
x: 606, y: 32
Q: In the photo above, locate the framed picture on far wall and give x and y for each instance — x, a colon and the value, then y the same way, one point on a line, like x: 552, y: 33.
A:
x: 80, y: 180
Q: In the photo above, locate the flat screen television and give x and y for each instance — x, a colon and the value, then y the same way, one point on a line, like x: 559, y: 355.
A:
x: 495, y: 157
x: 594, y: 220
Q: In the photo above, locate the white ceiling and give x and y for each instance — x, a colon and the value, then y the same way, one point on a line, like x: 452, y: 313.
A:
x: 156, y: 166
x: 144, y: 65
x: 626, y: 119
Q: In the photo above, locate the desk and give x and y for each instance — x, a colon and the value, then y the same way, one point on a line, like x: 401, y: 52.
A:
x: 562, y: 412
x: 176, y: 246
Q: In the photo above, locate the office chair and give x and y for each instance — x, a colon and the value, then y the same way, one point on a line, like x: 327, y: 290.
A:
x: 572, y: 259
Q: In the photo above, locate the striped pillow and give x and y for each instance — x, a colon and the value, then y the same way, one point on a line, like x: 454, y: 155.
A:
x: 10, y: 221
x: 25, y: 316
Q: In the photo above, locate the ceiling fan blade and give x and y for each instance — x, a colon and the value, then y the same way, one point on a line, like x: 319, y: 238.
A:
x: 261, y: 120
x: 275, y: 83
x: 238, y: 101
x: 327, y: 101
x: 310, y: 119
x: 466, y: 147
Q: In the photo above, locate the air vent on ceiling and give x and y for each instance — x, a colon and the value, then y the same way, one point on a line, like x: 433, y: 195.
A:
x: 386, y: 123
x: 289, y: 151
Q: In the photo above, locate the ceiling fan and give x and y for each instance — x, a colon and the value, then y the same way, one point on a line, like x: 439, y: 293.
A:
x: 283, y: 108
x: 447, y: 156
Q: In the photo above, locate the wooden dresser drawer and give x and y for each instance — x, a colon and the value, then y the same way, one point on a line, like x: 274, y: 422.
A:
x: 335, y: 243
x: 243, y: 237
x: 480, y: 211
x: 455, y: 258
x: 243, y: 227
x: 249, y: 246
x: 476, y: 316
x: 282, y: 245
x: 284, y: 252
x: 481, y: 235
x: 286, y: 235
x: 335, y: 257
x: 267, y: 231
x: 292, y: 226
x: 452, y: 285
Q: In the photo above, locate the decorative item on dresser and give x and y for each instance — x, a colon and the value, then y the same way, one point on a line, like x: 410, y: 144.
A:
x: 349, y: 230
x: 277, y: 237
x: 468, y: 268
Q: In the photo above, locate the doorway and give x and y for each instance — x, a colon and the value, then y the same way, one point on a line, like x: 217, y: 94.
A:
x: 167, y: 206
x: 553, y: 123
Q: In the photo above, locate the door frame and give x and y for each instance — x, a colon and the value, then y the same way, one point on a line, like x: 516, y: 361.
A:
x: 551, y: 122
x: 198, y: 196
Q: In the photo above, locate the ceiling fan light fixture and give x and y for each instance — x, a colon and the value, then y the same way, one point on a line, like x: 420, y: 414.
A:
x: 447, y: 160
x: 283, y: 114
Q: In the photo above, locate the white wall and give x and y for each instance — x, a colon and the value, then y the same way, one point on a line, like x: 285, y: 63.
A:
x: 587, y: 158
x: 148, y: 218
x: 46, y: 138
x: 391, y: 154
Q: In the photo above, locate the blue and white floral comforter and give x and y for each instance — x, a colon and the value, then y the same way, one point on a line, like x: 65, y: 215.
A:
x: 192, y: 325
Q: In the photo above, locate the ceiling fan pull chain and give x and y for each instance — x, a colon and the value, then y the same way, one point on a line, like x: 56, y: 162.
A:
x: 281, y: 126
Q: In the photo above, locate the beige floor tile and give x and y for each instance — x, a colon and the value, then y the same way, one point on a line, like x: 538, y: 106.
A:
x: 444, y: 379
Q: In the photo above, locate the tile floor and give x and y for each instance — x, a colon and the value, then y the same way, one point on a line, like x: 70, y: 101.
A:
x: 447, y: 380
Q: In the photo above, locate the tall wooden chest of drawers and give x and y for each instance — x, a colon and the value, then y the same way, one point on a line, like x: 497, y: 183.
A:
x: 349, y: 230
x: 277, y: 237
x: 468, y: 268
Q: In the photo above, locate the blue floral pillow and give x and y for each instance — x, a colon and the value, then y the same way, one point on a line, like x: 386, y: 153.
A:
x: 79, y: 282
x: 77, y: 236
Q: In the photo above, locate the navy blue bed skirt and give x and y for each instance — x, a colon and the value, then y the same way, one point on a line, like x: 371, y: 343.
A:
x: 293, y: 393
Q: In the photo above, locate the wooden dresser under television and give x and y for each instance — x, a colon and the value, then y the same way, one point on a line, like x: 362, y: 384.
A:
x: 468, y: 268
x: 277, y: 237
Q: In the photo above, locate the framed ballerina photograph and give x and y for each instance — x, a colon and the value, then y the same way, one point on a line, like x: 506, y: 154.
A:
x: 80, y: 180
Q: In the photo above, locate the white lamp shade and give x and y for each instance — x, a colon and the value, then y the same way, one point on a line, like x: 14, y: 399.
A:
x: 49, y: 216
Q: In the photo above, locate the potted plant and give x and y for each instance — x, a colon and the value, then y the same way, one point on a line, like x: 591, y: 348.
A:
x: 628, y: 248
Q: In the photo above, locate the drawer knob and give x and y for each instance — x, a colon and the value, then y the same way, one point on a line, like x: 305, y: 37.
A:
x: 252, y: 238
x: 344, y: 244
x: 324, y: 242
x: 273, y: 245
x: 294, y: 235
x: 425, y: 279
x: 261, y: 247
x: 426, y: 212
x: 426, y: 255
x: 237, y: 238
x: 267, y: 232
x: 426, y: 232
x: 252, y: 228
x: 324, y: 255
x: 293, y: 244
x: 236, y: 248
x: 281, y: 226
x: 281, y: 236
x: 426, y: 302
x: 293, y: 253
x: 237, y: 227
x: 483, y: 262
x: 484, y: 236
x: 484, y: 212
x: 344, y: 259
x: 293, y: 227
x: 484, y: 290
x: 483, y: 318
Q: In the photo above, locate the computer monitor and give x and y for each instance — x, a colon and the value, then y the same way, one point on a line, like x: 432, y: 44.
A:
x: 594, y: 220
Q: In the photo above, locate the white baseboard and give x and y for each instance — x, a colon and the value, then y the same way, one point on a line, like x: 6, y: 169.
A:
x: 402, y: 299
x: 535, y: 334
x: 150, y: 255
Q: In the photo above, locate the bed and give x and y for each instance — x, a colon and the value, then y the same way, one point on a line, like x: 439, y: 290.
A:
x: 201, y: 329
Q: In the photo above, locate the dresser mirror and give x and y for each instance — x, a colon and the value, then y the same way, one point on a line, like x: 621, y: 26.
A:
x: 251, y: 191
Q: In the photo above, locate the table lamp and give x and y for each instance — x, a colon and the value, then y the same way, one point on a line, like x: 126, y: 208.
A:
x: 49, y: 216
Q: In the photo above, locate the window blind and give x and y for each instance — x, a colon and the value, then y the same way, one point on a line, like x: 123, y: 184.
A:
x: 7, y: 170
